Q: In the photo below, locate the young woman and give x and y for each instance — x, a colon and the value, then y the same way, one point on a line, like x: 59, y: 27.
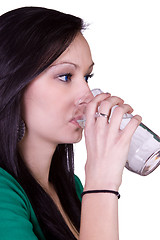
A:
x: 45, y: 64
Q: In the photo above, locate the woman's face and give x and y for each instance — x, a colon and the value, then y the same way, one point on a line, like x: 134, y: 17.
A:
x: 50, y: 100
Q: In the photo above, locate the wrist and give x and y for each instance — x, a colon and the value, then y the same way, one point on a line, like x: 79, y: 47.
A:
x: 98, y: 186
x: 102, y: 180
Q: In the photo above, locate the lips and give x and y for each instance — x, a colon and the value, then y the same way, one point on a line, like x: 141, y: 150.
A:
x: 74, y: 120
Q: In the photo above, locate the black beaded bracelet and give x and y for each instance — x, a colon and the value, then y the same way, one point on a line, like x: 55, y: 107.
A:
x: 101, y: 191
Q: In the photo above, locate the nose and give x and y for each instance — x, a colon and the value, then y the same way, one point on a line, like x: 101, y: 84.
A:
x: 84, y: 96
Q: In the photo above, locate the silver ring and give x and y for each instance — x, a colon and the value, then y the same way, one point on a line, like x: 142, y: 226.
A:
x: 98, y: 114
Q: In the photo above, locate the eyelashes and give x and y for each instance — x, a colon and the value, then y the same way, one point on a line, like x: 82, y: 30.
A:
x: 88, y: 76
x: 67, y: 77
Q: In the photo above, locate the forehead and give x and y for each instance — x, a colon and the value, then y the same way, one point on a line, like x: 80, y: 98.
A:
x: 77, y: 52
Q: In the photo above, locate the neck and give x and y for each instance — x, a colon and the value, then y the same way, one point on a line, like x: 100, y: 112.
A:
x: 37, y: 155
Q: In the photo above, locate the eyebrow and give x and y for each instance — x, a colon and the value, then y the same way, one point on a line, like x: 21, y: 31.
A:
x: 71, y: 63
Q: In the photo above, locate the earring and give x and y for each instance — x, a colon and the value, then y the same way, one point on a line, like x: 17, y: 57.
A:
x: 21, y: 130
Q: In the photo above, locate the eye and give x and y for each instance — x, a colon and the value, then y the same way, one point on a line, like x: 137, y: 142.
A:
x: 88, y: 76
x: 65, y: 77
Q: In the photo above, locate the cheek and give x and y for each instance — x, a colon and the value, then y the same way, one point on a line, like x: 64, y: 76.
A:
x: 45, y: 109
x: 47, y: 113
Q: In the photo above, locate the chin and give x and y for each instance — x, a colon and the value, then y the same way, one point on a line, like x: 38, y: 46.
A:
x: 76, y: 138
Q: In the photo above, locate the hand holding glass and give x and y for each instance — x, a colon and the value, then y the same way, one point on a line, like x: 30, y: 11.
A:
x: 144, y: 151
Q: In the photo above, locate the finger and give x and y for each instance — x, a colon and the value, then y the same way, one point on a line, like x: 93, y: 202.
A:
x: 117, y: 116
x: 131, y: 127
x: 105, y: 108
x: 92, y: 107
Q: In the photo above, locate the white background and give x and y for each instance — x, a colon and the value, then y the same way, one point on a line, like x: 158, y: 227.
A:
x: 124, y: 37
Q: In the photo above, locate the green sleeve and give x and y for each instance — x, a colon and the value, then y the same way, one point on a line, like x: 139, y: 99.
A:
x: 79, y: 187
x: 15, y: 211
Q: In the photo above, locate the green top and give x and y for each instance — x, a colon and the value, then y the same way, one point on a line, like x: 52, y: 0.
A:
x: 17, y: 217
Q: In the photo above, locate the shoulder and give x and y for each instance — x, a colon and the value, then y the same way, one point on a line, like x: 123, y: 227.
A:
x: 11, y: 189
x: 18, y: 220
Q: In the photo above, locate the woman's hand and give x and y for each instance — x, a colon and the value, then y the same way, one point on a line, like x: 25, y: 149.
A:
x: 107, y: 145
